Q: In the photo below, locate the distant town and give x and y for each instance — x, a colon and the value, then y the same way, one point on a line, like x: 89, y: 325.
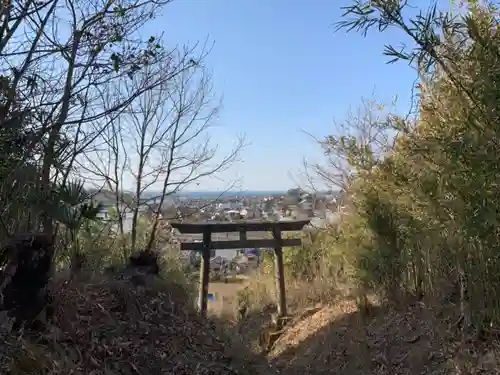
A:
x: 320, y: 207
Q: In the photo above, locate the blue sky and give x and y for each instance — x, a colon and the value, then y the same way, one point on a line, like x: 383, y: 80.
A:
x: 282, y: 69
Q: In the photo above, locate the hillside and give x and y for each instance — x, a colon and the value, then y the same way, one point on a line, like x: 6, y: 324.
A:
x: 113, y: 327
x: 417, y: 340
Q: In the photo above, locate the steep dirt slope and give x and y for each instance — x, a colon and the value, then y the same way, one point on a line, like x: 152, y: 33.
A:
x: 340, y: 340
x: 111, y: 326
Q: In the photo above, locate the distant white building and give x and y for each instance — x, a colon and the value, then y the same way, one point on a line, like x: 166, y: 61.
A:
x: 229, y: 205
x: 127, y: 214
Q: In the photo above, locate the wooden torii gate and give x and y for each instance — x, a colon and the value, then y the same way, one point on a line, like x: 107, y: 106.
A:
x: 277, y: 243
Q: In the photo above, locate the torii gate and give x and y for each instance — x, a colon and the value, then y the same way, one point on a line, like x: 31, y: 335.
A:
x: 277, y: 243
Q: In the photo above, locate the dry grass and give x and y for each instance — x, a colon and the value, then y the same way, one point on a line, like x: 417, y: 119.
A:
x: 112, y: 327
x: 261, y: 292
x: 225, y: 296
x: 332, y: 332
x: 342, y: 340
x: 258, y: 293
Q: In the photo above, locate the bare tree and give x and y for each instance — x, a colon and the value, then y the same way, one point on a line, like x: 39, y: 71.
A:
x: 58, y: 56
x: 161, y: 142
x: 367, y: 132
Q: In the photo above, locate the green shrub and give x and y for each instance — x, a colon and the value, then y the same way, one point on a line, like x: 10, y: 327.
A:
x: 427, y: 215
x: 423, y: 220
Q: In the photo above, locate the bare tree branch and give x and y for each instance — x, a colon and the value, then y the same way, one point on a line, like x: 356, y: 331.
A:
x: 162, y: 140
x: 368, y: 128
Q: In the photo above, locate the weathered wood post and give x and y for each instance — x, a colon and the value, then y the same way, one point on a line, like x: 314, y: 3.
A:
x: 243, y: 238
x: 205, y: 247
x: 204, y: 272
x: 280, y: 272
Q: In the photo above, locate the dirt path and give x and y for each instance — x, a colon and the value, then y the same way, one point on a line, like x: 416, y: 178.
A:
x: 224, y: 296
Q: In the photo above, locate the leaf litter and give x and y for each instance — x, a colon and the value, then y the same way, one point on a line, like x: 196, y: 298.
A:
x: 114, y: 327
